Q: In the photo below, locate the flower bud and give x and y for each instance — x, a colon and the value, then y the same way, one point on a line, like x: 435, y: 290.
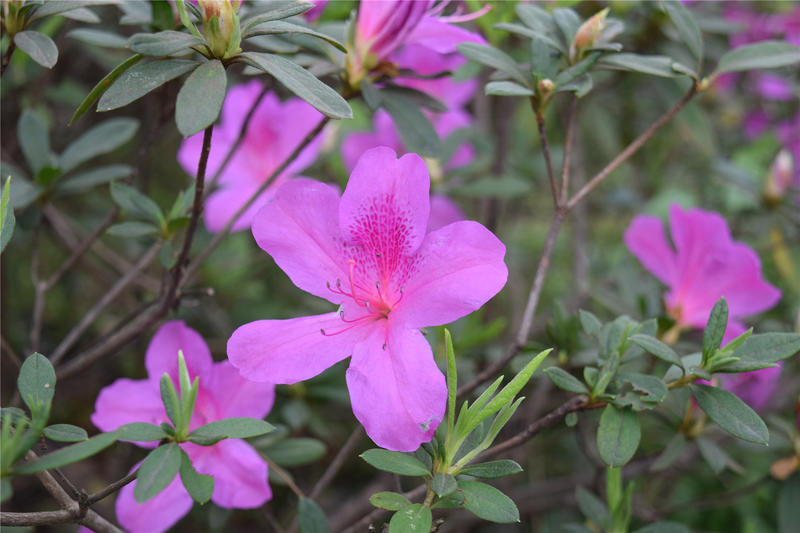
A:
x: 588, y: 34
x: 221, y: 26
x: 779, y: 177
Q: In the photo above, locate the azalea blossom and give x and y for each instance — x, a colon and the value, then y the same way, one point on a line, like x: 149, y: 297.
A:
x: 754, y: 388
x: 240, y: 474
x: 369, y: 252
x: 275, y: 131
x: 704, y: 265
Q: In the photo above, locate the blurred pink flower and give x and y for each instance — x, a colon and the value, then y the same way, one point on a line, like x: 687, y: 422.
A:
x: 369, y: 253
x: 444, y: 211
x: 275, y: 130
x: 754, y: 388
x: 704, y: 265
x: 314, y: 13
x: 240, y: 474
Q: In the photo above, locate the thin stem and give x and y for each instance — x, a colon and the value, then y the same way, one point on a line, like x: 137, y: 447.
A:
x: 41, y: 518
x: 39, y: 293
x: 573, y: 105
x: 338, y: 461
x: 7, y: 349
x: 631, y: 148
x: 7, y: 56
x: 285, y: 477
x: 551, y: 174
x: 111, y: 489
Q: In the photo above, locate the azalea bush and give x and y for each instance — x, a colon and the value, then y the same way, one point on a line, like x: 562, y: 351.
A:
x: 400, y: 266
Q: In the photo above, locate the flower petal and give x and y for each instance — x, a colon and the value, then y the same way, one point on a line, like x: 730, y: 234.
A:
x: 396, y: 390
x: 384, y: 134
x: 442, y: 37
x: 645, y: 238
x: 162, y: 353
x: 236, y: 396
x: 444, y: 211
x: 155, y: 515
x: 126, y: 401
x: 459, y: 268
x: 240, y: 474
x: 288, y: 351
x: 299, y: 229
x: 224, y: 203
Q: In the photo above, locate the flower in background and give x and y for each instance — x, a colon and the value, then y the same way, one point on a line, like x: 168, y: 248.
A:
x: 275, y: 131
x: 704, y: 265
x: 754, y: 388
x: 315, y: 12
x: 240, y: 474
x: 369, y: 252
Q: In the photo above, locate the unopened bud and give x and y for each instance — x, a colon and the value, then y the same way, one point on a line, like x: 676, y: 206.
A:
x: 546, y: 86
x: 220, y: 26
x: 588, y: 34
x: 779, y: 177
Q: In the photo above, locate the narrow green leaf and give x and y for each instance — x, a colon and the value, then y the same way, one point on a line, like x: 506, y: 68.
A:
x: 230, y: 428
x: 295, y: 452
x: 169, y: 397
x: 492, y: 469
x: 412, y: 519
x: 36, y: 381
x: 311, y: 518
x: 485, y: 501
x: 130, y: 84
x: 141, y: 432
x: 415, y: 128
x: 6, y: 490
x: 764, y: 350
x: 618, y: 435
x: 452, y: 379
x: 654, y: 65
x: 565, y: 380
x: 83, y: 181
x: 157, y: 471
x: 7, y: 219
x: 34, y: 140
x: 136, y: 203
x: 101, y: 139
x: 687, y: 27
x: 507, y: 394
x: 38, y: 46
x: 65, y: 433
x: 277, y: 11
x: 395, y: 462
x: 103, y: 85
x: 764, y: 54
x: 275, y: 27
x: 571, y: 74
x: 201, y: 97
x: 390, y: 501
x: 730, y: 413
x: 302, y: 83
x: 507, y: 88
x: 567, y: 21
x: 592, y: 508
x: 492, y: 57
x: 163, y: 43
x: 199, y: 486
x: 590, y: 323
x: 715, y: 329
x: 443, y: 484
x: 95, y: 37
x: 62, y: 6
x: 70, y: 454
x: 715, y: 456
x: 657, y: 348
x: 133, y: 229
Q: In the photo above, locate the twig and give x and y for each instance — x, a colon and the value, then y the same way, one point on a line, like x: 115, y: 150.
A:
x: 39, y: 294
x: 546, y: 151
x: 7, y: 349
x: 573, y: 105
x: 40, y: 518
x: 338, y: 461
x: 111, y: 489
x: 7, y: 57
x: 285, y: 477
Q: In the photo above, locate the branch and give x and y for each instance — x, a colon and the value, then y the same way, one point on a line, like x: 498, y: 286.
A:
x: 111, y: 489
x: 573, y: 105
x: 7, y: 57
x: 546, y: 151
x: 41, y: 518
x: 338, y: 461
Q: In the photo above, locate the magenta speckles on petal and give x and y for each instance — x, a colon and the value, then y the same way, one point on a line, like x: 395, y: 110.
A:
x: 370, y: 253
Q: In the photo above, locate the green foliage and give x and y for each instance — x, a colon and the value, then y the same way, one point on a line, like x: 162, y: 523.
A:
x: 413, y: 518
x: 157, y: 471
x: 618, y: 435
x: 199, y: 486
x: 200, y: 98
x: 229, y: 428
x: 311, y: 518
x: 731, y: 413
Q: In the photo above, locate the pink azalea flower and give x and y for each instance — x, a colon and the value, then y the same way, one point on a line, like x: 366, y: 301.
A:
x: 704, y: 265
x: 315, y: 12
x: 240, y: 474
x: 369, y: 253
x: 754, y: 388
x: 276, y: 129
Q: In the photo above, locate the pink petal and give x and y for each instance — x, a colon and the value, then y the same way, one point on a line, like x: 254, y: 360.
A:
x: 442, y: 37
x: 162, y: 353
x: 224, y: 203
x: 300, y: 230
x: 754, y: 388
x: 384, y: 210
x: 240, y: 474
x: 444, y: 211
x: 646, y: 240
x: 460, y: 267
x: 288, y: 351
x: 396, y: 390
x: 384, y: 134
x: 126, y: 401
x: 236, y: 396
x: 156, y: 515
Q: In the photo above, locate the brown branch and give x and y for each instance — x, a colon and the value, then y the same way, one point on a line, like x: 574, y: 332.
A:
x: 41, y: 518
x: 631, y: 148
x: 7, y: 349
x: 7, y: 56
x: 111, y: 489
x: 548, y: 161
x: 338, y: 461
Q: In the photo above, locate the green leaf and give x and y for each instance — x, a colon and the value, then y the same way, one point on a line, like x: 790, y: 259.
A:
x: 157, y: 471
x: 54, y: 8
x: 130, y: 84
x: 730, y: 413
x: 199, y: 486
x: 7, y: 219
x: 169, y: 397
x: 452, y: 379
x: 132, y: 229
x: 485, y: 501
x: 395, y: 462
x: 654, y: 65
x: 443, y: 484
x: 230, y: 428
x: 507, y: 394
x: 592, y: 508
x: 65, y: 433
x: 200, y: 99
x: 715, y: 329
x: 652, y: 389
x: 34, y: 140
x: 671, y: 453
x: 568, y: 75
x: 507, y: 88
x: 36, y: 381
x: 687, y: 27
x: 763, y: 350
x: 163, y: 43
x: 6, y: 490
x: 70, y: 454
x: 567, y: 22
x: 103, y: 85
x: 390, y: 501
x: 136, y: 203
x: 102, y: 38
x: 492, y: 57
x: 101, y: 139
x: 277, y: 11
x: 657, y: 348
x: 715, y: 456
x: 295, y: 452
x: 492, y: 469
x: 412, y: 519
x: 141, y: 432
x: 38, y: 46
x: 279, y: 27
x: 664, y: 527
x: 618, y: 435
x: 83, y: 181
x: 565, y: 380
x: 311, y: 518
x: 764, y: 54
x: 13, y: 414
x: 415, y: 128
x: 591, y: 325
x: 788, y: 510
x: 302, y: 83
